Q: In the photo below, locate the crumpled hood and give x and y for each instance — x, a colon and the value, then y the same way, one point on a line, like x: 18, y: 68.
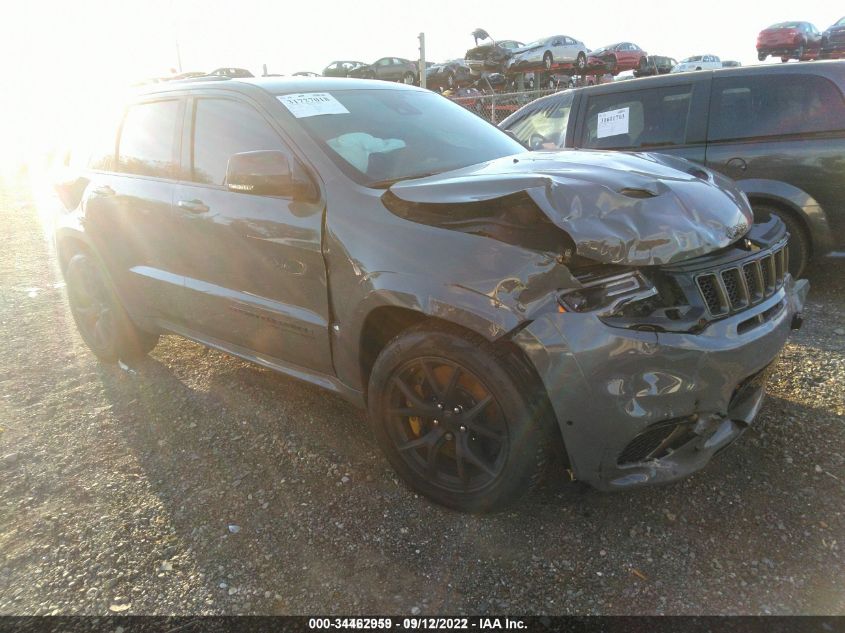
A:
x: 637, y: 209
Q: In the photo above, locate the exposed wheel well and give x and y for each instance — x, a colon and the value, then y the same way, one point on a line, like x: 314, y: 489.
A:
x: 786, y: 208
x: 384, y: 324
x: 67, y: 247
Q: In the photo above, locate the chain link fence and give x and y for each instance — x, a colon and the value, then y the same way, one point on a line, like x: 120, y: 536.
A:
x: 496, y: 106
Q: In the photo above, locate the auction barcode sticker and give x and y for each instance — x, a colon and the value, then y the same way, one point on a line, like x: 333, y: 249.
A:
x: 312, y: 104
x: 612, y: 122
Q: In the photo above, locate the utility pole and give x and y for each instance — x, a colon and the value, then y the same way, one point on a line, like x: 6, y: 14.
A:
x: 178, y: 56
x: 422, y: 59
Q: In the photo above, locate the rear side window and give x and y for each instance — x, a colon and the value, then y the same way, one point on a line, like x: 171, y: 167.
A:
x: 774, y: 105
x: 223, y: 127
x: 545, y: 127
x: 657, y: 117
x: 147, y: 138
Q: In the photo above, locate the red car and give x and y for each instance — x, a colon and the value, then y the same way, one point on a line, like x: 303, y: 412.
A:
x: 789, y: 40
x: 617, y: 58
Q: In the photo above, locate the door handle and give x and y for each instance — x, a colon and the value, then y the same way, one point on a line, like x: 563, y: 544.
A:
x: 194, y: 206
x: 737, y: 163
x: 103, y: 191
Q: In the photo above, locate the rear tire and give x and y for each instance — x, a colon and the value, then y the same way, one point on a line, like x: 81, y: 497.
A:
x: 799, y: 240
x: 761, y: 57
x: 409, y: 79
x: 99, y: 315
x: 581, y: 62
x: 547, y: 60
x: 456, y: 421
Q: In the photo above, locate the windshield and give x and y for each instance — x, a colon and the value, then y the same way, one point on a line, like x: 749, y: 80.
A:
x: 697, y: 58
x: 786, y: 25
x: 381, y: 136
x: 840, y: 23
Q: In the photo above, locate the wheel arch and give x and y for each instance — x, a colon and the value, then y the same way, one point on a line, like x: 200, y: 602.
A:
x: 70, y: 242
x: 385, y: 322
x: 799, y: 203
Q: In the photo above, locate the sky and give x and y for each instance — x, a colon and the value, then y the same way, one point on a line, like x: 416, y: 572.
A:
x: 63, y: 60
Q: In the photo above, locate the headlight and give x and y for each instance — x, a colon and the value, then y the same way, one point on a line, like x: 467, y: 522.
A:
x: 607, y: 293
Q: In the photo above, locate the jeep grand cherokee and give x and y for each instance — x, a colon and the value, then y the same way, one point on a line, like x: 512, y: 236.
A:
x: 485, y: 304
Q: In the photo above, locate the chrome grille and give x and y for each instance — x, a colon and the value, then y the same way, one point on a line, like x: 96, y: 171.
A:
x: 737, y: 287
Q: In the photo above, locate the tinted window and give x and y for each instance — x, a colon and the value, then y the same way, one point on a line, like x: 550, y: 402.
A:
x: 147, y: 139
x: 748, y: 106
x: 545, y: 127
x: 221, y: 128
x: 655, y: 118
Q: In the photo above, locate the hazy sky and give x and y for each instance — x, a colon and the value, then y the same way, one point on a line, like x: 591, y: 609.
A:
x: 65, y: 52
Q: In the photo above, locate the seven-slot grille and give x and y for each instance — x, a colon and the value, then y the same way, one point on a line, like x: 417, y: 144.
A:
x: 740, y: 286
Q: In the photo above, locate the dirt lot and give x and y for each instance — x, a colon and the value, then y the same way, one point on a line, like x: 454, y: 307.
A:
x: 198, y: 483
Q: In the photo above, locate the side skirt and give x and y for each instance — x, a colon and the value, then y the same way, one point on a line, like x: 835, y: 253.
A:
x: 325, y: 381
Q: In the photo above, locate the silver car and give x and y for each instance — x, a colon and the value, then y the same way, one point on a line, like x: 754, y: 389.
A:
x: 698, y: 62
x: 549, y: 52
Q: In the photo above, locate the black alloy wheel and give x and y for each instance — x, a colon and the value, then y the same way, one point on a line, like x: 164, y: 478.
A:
x: 100, y: 317
x: 454, y: 421
x: 447, y: 425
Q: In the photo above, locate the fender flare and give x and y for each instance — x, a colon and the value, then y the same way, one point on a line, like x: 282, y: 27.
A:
x: 806, y: 208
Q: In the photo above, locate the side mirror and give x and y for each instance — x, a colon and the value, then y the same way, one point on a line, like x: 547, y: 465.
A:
x: 262, y: 173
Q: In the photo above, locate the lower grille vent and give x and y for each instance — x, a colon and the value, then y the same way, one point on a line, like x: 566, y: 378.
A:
x: 657, y: 441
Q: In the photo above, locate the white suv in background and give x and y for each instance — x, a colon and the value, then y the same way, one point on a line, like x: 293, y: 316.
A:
x: 698, y: 62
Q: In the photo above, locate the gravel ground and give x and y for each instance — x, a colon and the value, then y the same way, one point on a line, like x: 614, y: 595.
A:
x: 199, y: 484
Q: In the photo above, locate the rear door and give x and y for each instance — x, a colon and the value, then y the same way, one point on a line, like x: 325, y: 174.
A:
x: 256, y: 276
x: 667, y: 118
x: 786, y: 127
x: 130, y: 211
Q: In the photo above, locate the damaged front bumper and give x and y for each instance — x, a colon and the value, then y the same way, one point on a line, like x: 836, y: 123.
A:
x: 640, y: 407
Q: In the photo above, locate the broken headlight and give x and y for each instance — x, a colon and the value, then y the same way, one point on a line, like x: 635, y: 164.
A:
x: 607, y: 294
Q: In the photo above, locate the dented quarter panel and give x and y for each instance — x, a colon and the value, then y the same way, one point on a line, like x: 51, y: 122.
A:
x: 635, y: 209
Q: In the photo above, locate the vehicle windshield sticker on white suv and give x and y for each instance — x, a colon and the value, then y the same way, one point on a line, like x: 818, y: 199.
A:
x: 612, y: 123
x: 312, y: 104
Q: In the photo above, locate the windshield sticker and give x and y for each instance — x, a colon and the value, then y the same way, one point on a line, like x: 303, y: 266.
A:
x: 312, y: 104
x: 613, y: 122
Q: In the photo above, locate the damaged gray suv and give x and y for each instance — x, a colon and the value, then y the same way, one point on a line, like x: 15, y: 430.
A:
x: 486, y: 305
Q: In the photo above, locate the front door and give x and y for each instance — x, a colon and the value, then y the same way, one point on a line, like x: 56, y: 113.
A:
x: 256, y: 275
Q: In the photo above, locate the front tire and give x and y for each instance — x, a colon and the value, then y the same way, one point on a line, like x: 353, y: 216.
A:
x: 547, y: 60
x: 455, y: 420
x: 799, y: 240
x: 99, y: 315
